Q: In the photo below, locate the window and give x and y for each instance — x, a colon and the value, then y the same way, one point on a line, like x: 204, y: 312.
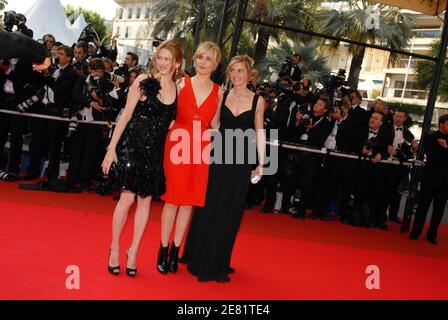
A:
x: 130, y: 13
x: 120, y: 13
x: 128, y: 32
x: 118, y: 32
x: 147, y: 10
x: 137, y: 14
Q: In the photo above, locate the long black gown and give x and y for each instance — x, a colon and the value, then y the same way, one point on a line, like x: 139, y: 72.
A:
x: 214, y: 227
x: 140, y: 150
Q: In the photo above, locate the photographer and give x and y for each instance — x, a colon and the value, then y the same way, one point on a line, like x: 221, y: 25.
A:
x: 357, y: 112
x: 311, y: 130
x: 48, y: 41
x: 374, y: 140
x: 91, y: 101
x: 80, y: 62
x: 58, y: 83
x: 338, y: 174
x: 434, y: 182
x: 130, y: 62
x: 403, y: 148
x: 290, y: 68
x: 19, y: 46
x: 18, y: 20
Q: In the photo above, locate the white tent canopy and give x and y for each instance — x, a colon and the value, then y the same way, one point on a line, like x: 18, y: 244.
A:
x: 47, y: 16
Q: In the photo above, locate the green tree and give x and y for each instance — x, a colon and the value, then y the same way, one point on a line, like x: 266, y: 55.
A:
x: 394, y: 29
x: 425, y: 72
x: 314, y: 64
x: 291, y: 13
x: 98, y: 23
x: 3, y: 4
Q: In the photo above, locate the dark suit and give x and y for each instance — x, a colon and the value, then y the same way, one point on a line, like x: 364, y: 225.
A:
x: 51, y: 132
x: 20, y: 46
x: 434, y: 185
x: 372, y: 178
x: 310, y: 163
x: 395, y: 174
x: 286, y: 71
x: 338, y: 175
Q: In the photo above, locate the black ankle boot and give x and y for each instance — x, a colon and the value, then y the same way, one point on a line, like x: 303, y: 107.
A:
x: 174, y: 258
x: 162, y: 260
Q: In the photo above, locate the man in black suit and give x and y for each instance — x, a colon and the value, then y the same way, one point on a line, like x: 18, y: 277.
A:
x: 19, y: 46
x: 402, y: 149
x: 313, y: 132
x: 357, y: 112
x: 434, y: 182
x: 374, y: 141
x: 338, y: 175
x: 290, y: 68
x: 59, y: 82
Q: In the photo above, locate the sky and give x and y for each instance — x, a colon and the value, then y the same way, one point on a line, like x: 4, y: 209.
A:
x: 106, y: 8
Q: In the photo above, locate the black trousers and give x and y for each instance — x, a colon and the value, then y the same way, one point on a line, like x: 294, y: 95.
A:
x: 336, y: 181
x: 439, y: 196
x: 46, y: 134
x: 5, y: 125
x: 394, y: 176
x: 311, y: 168
x: 370, y: 192
x: 19, y: 126
x: 87, y: 146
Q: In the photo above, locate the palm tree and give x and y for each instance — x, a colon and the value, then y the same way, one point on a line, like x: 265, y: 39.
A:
x: 3, y: 4
x: 394, y: 31
x: 314, y: 64
x: 425, y: 72
x: 181, y: 19
x: 291, y: 13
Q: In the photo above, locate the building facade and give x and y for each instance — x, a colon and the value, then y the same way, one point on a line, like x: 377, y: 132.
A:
x: 133, y: 27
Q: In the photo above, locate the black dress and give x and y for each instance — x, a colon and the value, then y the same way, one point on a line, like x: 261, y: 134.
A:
x: 214, y: 227
x: 140, y: 150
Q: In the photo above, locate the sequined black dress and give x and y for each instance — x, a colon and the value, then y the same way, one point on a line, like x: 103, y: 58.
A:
x: 140, y: 150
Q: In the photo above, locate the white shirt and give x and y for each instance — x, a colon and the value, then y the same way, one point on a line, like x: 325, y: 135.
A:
x: 398, y: 139
x: 372, y: 134
x: 330, y: 143
x: 8, y: 87
x: 49, y: 93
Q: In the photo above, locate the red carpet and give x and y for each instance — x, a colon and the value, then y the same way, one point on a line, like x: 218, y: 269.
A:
x: 275, y: 257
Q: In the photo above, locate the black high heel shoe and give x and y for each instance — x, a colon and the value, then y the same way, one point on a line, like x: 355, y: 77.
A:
x: 130, y: 272
x: 113, y: 270
x: 162, y: 259
x: 174, y: 258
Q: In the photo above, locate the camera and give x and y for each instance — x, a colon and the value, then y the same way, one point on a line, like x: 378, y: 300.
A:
x: 113, y: 77
x: 373, y: 143
x: 157, y: 42
x: 73, y: 124
x: 10, y: 20
x: 89, y: 35
x: 306, y: 120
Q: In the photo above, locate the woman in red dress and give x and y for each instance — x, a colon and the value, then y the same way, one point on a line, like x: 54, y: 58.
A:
x: 187, y: 151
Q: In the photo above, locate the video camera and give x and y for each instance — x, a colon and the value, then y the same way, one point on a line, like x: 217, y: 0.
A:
x: 336, y: 88
x: 89, y: 35
x: 11, y: 19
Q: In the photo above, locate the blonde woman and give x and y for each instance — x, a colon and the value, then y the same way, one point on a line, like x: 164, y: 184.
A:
x: 187, y: 171
x: 137, y: 148
x: 213, y: 230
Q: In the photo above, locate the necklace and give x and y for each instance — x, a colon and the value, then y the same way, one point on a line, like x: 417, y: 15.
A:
x: 238, y: 98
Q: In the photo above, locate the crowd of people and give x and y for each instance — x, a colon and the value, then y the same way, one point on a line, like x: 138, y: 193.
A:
x: 85, y: 82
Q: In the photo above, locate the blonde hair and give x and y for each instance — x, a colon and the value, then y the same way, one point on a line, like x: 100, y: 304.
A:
x: 176, y: 50
x: 244, y: 59
x: 206, y: 46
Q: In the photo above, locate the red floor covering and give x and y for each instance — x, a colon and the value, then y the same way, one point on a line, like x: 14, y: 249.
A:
x: 275, y: 257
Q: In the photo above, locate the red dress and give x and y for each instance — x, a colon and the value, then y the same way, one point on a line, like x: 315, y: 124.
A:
x: 187, y: 148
